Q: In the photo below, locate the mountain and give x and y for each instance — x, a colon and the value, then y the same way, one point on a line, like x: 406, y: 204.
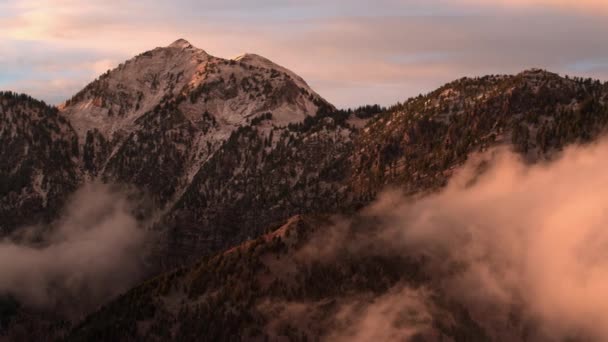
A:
x: 283, y: 286
x: 162, y: 121
x: 155, y: 119
x: 414, y: 146
x: 241, y: 163
x: 155, y: 124
x: 166, y: 119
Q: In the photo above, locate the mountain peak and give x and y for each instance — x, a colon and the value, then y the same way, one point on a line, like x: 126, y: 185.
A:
x: 181, y: 44
x: 234, y: 91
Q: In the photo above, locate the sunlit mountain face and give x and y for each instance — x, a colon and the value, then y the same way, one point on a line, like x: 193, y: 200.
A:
x: 303, y: 171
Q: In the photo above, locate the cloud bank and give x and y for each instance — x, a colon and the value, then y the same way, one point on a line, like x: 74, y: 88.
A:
x: 94, y: 253
x: 524, y: 248
x: 525, y: 240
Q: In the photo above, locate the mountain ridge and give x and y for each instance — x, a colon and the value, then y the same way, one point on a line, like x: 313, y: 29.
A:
x: 220, y: 172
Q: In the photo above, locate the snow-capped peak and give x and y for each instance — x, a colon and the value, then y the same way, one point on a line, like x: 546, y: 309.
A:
x: 231, y: 91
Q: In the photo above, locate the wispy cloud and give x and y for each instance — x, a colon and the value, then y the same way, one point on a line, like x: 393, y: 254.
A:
x: 94, y: 253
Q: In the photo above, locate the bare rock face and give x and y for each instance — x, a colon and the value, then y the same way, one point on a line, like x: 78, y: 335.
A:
x: 195, y: 83
x: 156, y: 119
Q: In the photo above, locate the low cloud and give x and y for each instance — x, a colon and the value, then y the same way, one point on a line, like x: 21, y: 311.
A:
x: 521, y: 240
x: 93, y: 253
x: 402, y: 313
x: 524, y: 248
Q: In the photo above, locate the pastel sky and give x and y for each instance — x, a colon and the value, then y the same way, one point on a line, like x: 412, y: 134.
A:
x: 352, y: 52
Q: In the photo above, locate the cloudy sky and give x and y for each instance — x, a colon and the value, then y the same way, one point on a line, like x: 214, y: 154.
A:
x: 351, y: 51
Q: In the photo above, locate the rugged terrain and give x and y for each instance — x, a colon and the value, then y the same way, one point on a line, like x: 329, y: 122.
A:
x: 163, y: 122
x: 282, y: 287
x: 227, y: 151
x: 286, y: 286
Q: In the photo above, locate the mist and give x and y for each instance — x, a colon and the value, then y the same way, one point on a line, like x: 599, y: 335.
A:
x: 517, y: 239
x: 92, y: 253
x: 523, y: 247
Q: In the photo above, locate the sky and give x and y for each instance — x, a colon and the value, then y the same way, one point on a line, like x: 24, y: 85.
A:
x: 352, y: 52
